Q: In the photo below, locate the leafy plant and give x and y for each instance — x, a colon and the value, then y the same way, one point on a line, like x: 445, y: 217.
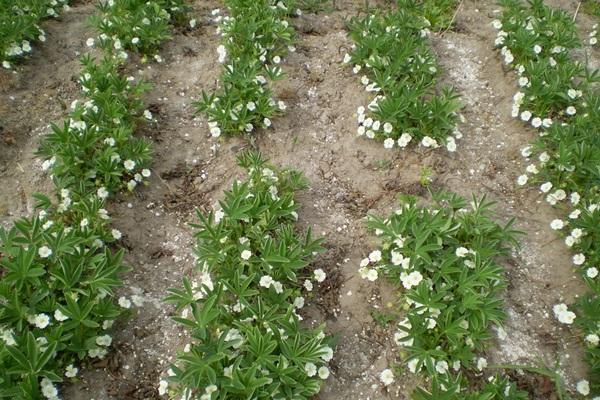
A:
x: 241, y: 310
x: 19, y: 26
x: 256, y: 36
x: 57, y: 271
x: 445, y: 259
x: 400, y: 68
x: 138, y: 25
x: 558, y: 96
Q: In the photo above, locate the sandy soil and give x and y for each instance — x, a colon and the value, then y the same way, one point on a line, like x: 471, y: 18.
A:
x: 349, y: 178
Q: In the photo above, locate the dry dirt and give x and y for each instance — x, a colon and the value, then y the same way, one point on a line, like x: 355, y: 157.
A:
x: 349, y: 178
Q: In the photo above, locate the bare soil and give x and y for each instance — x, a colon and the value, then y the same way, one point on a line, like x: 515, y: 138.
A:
x: 349, y: 177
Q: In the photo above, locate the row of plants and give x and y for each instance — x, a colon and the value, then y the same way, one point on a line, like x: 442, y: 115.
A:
x: 59, y: 268
x: 19, y: 26
x: 558, y: 96
x: 392, y: 56
x: 241, y: 306
x: 256, y: 36
x: 445, y: 259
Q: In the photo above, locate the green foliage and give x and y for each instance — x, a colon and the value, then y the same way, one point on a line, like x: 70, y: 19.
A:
x: 256, y: 36
x: 95, y: 147
x: 57, y: 273
x: 559, y: 96
x: 447, y: 387
x: 241, y: 309
x: 393, y: 50
x: 438, y: 13
x: 19, y: 26
x: 445, y: 257
x: 137, y: 25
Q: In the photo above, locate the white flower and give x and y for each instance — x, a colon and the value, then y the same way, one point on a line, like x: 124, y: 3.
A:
x: 116, y: 234
x: 536, y: 122
x: 276, y: 59
x: 102, y: 192
x: 162, y: 384
x: 104, y: 340
x: 48, y: 390
x: 526, y: 116
x: 523, y: 81
x: 592, y: 340
x: 571, y: 110
x: 578, y: 259
x: 129, y: 165
x: 310, y: 369
x: 246, y: 254
x: 124, y: 302
x: 308, y: 285
x: 323, y: 372
x: 461, y: 252
x: 251, y: 106
x: 387, y: 127
x: 281, y: 105
x: 266, y: 281
x: 583, y: 387
x: 592, y: 272
x: 412, y: 365
x: 522, y: 180
x: 215, y: 131
x: 299, y: 302
x: 319, y: 275
x: 347, y: 58
x: 545, y: 187
x: 146, y: 173
x: 557, y: 224
x: 44, y: 252
x: 386, y: 377
x: 412, y: 279
x: 41, y: 321
x: 71, y: 371
x: 404, y: 139
x: 575, y: 197
x: 90, y: 42
x: 388, y: 143
x: 147, y: 115
x: 537, y: 49
x: 328, y: 353
x: 59, y: 316
x: 563, y: 315
x: 497, y: 24
x: 429, y: 142
x: 481, y: 363
x: 371, y: 274
x: 375, y: 256
x: 441, y: 367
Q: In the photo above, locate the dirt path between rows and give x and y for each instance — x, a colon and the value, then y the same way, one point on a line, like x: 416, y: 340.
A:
x: 349, y: 177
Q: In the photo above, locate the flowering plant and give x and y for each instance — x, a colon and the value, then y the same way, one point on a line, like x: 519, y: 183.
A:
x: 55, y: 293
x: 138, y: 25
x: 256, y: 36
x: 19, y: 26
x: 95, y: 147
x: 400, y: 68
x: 445, y: 257
x: 242, y: 308
x: 558, y: 97
x: 57, y: 274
